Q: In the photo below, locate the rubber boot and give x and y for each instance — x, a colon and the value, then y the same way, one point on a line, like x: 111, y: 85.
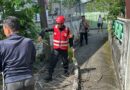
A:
x: 48, y: 78
x: 66, y: 73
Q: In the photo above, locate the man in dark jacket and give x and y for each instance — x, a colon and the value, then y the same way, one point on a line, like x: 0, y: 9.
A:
x: 17, y: 55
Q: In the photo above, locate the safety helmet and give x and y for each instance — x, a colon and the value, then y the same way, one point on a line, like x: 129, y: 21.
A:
x: 60, y: 19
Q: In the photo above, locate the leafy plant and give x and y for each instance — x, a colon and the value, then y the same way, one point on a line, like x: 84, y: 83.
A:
x: 25, y: 11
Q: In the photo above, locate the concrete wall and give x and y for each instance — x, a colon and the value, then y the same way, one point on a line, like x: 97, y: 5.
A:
x: 121, y: 55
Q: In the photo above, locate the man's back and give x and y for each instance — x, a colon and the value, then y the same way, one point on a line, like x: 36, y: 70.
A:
x: 18, y: 55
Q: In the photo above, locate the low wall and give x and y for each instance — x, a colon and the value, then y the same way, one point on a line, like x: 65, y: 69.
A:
x: 119, y: 37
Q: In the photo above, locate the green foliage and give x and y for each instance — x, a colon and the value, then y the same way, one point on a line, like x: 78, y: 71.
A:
x: 114, y: 7
x: 117, y: 9
x: 25, y: 11
x: 98, y: 5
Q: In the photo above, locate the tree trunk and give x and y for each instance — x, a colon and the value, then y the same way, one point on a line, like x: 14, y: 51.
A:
x: 43, y: 18
x: 43, y: 21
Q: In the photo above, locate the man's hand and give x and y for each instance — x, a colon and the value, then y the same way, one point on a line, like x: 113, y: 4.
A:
x: 39, y: 39
x: 73, y: 49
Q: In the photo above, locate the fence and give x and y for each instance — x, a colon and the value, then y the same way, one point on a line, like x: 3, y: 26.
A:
x: 92, y: 17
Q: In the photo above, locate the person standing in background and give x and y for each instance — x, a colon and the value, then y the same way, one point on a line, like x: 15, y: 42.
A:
x: 83, y: 30
x: 100, y: 23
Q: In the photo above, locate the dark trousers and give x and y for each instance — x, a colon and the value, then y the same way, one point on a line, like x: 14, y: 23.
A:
x: 27, y: 84
x: 100, y: 25
x: 56, y: 56
x: 83, y: 35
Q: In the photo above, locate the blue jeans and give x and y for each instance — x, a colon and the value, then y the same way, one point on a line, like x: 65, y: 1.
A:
x: 27, y: 84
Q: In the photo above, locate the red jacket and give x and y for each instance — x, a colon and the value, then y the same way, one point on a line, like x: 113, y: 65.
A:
x: 61, y: 38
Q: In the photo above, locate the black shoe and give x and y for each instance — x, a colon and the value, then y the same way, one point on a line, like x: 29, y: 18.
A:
x: 48, y: 78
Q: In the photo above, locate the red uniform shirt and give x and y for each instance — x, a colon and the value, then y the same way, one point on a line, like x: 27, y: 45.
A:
x: 61, y: 38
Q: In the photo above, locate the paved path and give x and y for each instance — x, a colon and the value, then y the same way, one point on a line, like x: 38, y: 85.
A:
x: 97, y: 69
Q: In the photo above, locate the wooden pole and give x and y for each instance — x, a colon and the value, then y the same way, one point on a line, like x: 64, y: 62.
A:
x: 43, y: 21
x: 127, y: 9
x: 43, y: 18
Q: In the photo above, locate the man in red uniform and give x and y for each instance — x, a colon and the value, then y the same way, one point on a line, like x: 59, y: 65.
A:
x: 61, y: 38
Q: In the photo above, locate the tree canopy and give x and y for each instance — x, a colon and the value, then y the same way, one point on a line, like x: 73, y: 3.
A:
x: 24, y: 10
x: 114, y: 7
